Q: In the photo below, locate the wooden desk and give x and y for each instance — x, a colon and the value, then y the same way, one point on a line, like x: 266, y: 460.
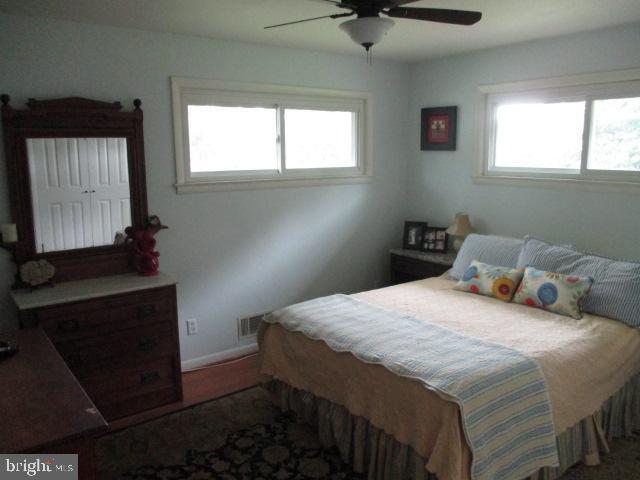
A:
x: 44, y: 408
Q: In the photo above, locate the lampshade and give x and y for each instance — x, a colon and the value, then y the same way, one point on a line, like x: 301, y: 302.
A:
x: 367, y: 31
x: 461, y: 226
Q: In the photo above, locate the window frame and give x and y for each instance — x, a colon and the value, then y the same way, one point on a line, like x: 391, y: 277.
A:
x: 189, y: 91
x: 587, y: 88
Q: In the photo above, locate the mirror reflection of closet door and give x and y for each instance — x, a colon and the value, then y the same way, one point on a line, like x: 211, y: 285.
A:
x: 109, y: 188
x: 59, y: 178
x: 81, y: 196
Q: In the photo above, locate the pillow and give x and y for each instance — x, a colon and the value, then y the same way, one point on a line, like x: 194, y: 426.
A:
x: 499, y: 251
x: 562, y: 294
x: 616, y: 284
x: 497, y: 282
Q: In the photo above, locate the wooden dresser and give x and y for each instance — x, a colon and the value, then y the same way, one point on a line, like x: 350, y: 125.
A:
x: 117, y: 334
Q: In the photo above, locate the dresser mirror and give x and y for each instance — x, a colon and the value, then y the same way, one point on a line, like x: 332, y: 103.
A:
x: 80, y: 192
x: 76, y: 181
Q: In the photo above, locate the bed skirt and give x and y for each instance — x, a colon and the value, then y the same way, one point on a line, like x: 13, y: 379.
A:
x: 370, y: 450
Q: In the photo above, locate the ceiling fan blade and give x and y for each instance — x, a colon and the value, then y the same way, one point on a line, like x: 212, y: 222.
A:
x: 441, y: 15
x: 350, y: 5
x: 337, y: 15
x: 397, y: 3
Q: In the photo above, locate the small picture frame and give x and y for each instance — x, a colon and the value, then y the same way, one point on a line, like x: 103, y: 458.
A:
x: 413, y: 234
x: 434, y: 239
x: 438, y: 128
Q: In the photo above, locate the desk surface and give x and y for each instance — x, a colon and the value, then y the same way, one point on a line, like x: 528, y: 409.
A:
x: 42, y: 403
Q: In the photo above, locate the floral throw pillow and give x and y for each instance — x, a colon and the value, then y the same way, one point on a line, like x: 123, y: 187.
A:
x: 562, y: 294
x: 484, y: 279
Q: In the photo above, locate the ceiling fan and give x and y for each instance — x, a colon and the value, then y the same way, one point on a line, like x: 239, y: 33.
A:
x: 369, y: 27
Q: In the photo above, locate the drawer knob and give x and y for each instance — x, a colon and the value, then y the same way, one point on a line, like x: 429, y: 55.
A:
x: 68, y: 326
x: 146, y: 344
x: 149, y: 378
x: 146, y: 310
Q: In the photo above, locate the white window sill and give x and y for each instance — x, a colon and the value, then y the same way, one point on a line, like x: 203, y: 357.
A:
x: 256, y: 184
x: 585, y: 184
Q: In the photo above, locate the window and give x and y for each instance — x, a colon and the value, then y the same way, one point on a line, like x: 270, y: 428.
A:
x: 252, y: 136
x: 583, y: 128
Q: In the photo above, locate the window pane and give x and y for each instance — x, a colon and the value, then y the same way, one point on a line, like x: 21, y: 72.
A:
x: 225, y: 139
x: 539, y: 135
x: 319, y: 139
x: 615, y: 135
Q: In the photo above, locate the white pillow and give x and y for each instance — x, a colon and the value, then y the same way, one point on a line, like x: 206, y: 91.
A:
x: 494, y: 250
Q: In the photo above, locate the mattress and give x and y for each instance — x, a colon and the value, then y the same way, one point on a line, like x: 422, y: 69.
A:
x: 584, y: 362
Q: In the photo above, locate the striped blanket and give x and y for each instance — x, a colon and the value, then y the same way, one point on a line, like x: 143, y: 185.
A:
x: 502, y: 393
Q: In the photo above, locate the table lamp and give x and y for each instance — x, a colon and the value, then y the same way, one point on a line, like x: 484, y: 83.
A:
x: 459, y: 229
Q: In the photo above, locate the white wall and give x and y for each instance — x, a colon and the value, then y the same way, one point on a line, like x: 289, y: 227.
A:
x: 234, y: 253
x: 440, y: 182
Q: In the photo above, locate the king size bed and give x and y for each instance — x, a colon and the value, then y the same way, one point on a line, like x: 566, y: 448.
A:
x: 392, y: 423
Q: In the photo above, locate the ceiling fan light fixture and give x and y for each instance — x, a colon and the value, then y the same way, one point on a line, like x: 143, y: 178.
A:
x: 367, y: 31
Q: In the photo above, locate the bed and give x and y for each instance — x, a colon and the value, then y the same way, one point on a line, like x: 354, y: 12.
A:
x: 392, y: 427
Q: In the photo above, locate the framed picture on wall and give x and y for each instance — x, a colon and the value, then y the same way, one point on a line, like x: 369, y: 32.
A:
x: 413, y: 232
x: 434, y: 239
x: 438, y: 128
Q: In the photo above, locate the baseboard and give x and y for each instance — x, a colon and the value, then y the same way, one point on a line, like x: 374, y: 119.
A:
x: 219, y: 356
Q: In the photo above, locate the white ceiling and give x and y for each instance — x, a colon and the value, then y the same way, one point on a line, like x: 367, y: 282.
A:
x: 503, y: 22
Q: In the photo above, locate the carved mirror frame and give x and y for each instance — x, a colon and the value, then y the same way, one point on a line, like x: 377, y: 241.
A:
x: 64, y: 118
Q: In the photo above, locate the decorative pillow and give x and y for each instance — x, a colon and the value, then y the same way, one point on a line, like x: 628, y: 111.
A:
x: 499, y: 251
x: 562, y: 294
x: 497, y: 282
x: 616, y: 288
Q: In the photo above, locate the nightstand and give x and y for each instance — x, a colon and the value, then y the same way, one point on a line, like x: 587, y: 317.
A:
x: 410, y: 265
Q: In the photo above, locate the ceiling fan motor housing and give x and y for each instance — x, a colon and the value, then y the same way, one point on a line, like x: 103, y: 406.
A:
x: 367, y: 31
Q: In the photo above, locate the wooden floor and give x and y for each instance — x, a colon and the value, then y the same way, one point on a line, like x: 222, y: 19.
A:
x: 207, y: 383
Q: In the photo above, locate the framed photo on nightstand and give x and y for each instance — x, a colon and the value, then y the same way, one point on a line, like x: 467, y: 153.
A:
x: 413, y: 232
x: 434, y: 239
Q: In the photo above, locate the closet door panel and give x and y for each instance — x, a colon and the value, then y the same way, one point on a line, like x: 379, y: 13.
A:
x: 60, y: 198
x: 110, y: 191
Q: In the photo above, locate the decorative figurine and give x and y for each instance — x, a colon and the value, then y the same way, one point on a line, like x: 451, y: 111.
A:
x: 145, y: 258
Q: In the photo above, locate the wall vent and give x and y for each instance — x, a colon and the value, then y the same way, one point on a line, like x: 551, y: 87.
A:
x: 248, y: 326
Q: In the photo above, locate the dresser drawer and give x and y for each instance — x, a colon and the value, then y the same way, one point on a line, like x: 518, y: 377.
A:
x: 408, y: 269
x: 138, y: 403
x: 99, y: 317
x: 417, y: 267
x: 124, y: 391
x: 120, y: 383
x: 133, y: 345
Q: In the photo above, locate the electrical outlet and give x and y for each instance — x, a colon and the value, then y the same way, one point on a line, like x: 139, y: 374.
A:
x: 192, y: 326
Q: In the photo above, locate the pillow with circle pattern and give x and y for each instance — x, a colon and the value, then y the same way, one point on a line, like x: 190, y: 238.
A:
x: 489, y: 280
x: 562, y: 294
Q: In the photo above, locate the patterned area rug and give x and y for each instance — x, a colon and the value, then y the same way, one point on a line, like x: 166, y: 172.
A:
x: 243, y: 436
